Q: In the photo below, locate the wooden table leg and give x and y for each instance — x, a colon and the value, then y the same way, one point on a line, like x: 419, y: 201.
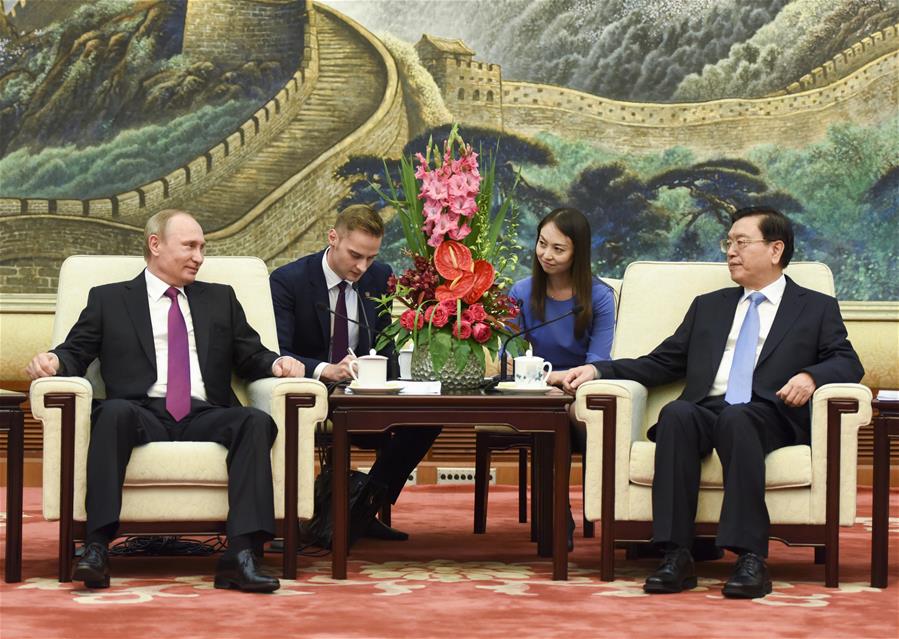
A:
x: 881, y: 504
x: 561, y: 462
x: 340, y: 496
x: 543, y: 450
x: 14, y: 426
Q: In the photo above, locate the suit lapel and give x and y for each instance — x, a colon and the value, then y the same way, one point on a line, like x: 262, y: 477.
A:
x: 138, y: 308
x: 202, y: 321
x: 319, y: 289
x: 791, y: 305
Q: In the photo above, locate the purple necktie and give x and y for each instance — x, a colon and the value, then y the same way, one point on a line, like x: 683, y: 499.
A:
x: 340, y: 339
x: 177, y: 395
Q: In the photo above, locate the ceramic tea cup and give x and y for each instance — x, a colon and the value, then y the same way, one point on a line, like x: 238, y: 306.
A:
x: 531, y: 371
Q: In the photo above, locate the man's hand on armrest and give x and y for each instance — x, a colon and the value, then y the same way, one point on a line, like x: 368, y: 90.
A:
x: 574, y: 377
x: 798, y: 390
x: 288, y: 367
x: 43, y: 365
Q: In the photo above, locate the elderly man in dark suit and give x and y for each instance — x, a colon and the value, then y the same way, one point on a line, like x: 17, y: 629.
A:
x: 752, y: 357
x: 324, y: 306
x: 167, y: 345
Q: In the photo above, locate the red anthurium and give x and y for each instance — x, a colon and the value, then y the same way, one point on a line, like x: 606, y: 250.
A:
x: 455, y: 289
x: 452, y: 259
x: 483, y: 280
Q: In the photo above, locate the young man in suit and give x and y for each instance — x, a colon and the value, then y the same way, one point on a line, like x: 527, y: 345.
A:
x: 167, y: 345
x: 324, y: 305
x: 752, y: 356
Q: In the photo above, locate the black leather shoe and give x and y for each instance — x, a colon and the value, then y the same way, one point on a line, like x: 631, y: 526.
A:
x: 673, y: 575
x: 377, y: 529
x: 241, y: 572
x: 750, y: 579
x: 93, y: 567
x: 363, y: 510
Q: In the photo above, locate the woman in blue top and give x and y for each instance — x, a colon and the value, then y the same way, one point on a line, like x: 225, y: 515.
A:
x: 560, y: 280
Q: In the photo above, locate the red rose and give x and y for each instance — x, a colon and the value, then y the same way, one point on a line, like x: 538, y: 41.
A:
x: 449, y: 306
x: 467, y: 316
x: 462, y: 330
x: 481, y: 332
x: 408, y: 320
x: 478, y: 314
x: 437, y: 315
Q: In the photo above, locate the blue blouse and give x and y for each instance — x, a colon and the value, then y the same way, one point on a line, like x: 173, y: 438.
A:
x: 557, y: 342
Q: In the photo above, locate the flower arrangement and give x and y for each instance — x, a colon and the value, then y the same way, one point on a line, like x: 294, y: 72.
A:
x: 453, y: 293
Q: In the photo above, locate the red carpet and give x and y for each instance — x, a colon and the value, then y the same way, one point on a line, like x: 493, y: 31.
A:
x: 447, y: 582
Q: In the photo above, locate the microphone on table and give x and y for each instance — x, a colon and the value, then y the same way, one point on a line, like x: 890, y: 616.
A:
x: 371, y: 335
x: 503, y: 365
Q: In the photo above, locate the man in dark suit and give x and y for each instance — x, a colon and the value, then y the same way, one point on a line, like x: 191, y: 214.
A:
x: 167, y: 345
x: 752, y: 357
x: 324, y: 305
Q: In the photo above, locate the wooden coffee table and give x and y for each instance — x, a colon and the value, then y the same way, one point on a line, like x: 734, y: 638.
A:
x: 546, y: 416
x: 12, y: 422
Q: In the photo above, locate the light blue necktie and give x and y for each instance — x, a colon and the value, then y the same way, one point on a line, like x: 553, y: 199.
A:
x: 739, y: 383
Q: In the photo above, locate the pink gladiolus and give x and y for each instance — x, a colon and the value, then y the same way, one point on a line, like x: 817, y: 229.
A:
x: 432, y: 210
x: 481, y: 332
x: 458, y: 186
x: 460, y: 232
x: 433, y: 188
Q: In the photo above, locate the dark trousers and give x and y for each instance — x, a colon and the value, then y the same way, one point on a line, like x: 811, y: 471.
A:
x: 118, y: 425
x: 407, y: 447
x: 742, y: 435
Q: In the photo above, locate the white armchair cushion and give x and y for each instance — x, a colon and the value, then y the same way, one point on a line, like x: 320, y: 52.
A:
x: 178, y: 464
x: 788, y: 467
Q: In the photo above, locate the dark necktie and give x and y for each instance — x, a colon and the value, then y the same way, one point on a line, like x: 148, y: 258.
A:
x: 340, y: 340
x: 739, y: 382
x: 177, y: 395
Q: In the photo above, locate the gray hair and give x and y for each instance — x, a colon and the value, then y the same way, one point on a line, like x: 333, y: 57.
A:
x: 157, y: 225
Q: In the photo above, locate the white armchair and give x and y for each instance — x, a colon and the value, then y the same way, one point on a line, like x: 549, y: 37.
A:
x: 810, y: 490
x: 173, y: 487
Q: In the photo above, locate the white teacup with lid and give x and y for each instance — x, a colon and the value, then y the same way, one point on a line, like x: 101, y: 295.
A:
x: 531, y: 371
x: 369, y: 370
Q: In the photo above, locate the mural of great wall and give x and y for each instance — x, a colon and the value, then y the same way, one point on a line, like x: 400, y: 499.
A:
x: 271, y: 186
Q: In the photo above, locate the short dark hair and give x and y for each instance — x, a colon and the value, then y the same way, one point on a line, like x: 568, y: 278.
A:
x: 774, y: 226
x: 360, y: 217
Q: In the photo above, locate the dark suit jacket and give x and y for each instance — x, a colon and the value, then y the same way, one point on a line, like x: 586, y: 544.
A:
x: 304, y: 329
x: 115, y: 326
x: 807, y: 335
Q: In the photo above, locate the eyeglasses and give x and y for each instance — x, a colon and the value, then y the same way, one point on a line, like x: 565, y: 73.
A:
x: 742, y: 243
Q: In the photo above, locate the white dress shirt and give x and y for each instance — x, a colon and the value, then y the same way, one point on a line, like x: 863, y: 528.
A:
x: 159, y: 319
x: 332, y: 279
x: 767, y: 310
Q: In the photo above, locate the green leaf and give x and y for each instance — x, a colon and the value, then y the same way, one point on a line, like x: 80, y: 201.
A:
x: 461, y: 351
x: 479, y: 354
x: 440, y: 347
